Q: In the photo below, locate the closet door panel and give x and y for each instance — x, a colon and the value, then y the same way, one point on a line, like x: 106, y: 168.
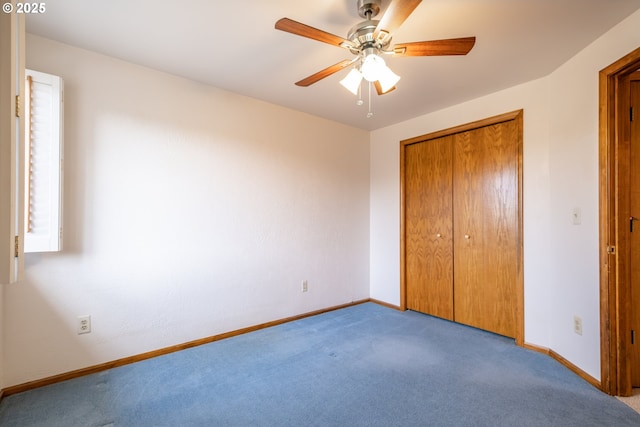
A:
x: 469, y: 267
x: 486, y: 227
x: 428, y: 232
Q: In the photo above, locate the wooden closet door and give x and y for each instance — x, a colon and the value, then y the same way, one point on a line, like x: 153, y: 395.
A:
x: 428, y: 227
x: 634, y: 226
x: 485, y: 206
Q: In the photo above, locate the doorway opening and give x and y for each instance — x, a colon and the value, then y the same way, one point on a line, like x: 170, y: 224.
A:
x: 616, y: 224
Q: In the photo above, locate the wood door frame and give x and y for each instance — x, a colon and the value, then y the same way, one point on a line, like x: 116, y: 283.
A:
x: 514, y: 115
x: 615, y: 289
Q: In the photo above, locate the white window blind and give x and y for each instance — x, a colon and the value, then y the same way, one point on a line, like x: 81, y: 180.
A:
x: 43, y: 155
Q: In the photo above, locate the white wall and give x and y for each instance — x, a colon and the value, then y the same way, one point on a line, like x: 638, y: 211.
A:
x: 560, y: 173
x: 189, y: 211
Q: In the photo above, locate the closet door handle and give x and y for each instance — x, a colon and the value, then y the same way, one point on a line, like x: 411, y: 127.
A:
x: 438, y: 235
x: 467, y: 237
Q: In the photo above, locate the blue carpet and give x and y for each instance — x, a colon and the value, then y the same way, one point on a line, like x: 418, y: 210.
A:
x: 365, y: 365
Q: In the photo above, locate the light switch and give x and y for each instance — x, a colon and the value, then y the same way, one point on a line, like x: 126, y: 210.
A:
x: 576, y: 216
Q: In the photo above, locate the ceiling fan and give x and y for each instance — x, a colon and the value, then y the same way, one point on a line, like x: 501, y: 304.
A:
x: 369, y: 41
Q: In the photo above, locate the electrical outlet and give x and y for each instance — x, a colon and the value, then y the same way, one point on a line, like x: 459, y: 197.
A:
x: 577, y: 325
x: 84, y: 324
x: 305, y: 286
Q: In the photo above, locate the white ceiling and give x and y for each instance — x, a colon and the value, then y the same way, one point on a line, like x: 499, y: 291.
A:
x: 233, y: 45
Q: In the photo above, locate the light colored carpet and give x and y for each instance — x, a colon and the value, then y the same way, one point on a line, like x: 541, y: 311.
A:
x: 633, y: 401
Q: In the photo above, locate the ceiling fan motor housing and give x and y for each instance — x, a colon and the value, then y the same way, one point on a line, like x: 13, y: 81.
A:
x: 361, y: 34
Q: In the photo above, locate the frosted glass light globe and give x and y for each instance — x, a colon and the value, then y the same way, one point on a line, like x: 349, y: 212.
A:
x: 372, y: 67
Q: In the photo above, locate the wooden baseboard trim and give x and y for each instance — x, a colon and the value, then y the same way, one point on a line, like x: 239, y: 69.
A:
x: 536, y: 348
x: 160, y: 352
x: 579, y: 372
x: 385, y: 304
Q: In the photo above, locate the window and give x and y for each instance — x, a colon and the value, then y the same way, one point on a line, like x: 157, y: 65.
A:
x: 43, y: 162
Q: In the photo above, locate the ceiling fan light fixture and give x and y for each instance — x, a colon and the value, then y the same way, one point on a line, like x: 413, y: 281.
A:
x: 372, y: 67
x: 387, y: 79
x: 352, y: 81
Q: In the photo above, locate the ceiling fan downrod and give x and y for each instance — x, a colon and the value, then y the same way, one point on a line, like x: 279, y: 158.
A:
x: 368, y: 9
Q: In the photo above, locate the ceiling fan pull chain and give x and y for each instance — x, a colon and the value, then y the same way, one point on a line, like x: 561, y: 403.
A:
x: 370, y: 113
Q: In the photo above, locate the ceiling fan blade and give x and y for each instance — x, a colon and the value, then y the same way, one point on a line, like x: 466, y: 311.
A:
x: 397, y: 12
x: 324, y: 73
x: 299, y: 29
x: 460, y: 46
x: 378, y: 87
